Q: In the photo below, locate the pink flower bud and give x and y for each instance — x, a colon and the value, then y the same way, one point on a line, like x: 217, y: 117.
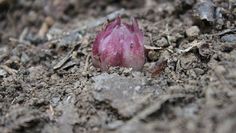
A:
x: 119, y: 44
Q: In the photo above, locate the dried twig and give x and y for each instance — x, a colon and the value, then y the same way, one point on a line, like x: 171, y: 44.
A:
x: 8, y: 69
x: 63, y: 61
x: 192, y: 45
x: 157, y: 106
x: 66, y: 58
x: 18, y: 41
x: 152, y: 47
x: 51, y: 110
x: 226, y: 31
x: 87, y: 63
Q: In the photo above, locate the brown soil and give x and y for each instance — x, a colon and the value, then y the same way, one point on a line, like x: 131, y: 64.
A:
x: 188, y: 83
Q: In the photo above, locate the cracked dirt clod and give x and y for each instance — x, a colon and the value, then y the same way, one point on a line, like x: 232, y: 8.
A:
x: 127, y: 95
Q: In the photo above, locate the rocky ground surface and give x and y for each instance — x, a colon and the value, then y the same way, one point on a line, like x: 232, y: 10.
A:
x: 49, y: 85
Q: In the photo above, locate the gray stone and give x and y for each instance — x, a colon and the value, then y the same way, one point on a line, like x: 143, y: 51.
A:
x: 229, y: 38
x: 3, y: 73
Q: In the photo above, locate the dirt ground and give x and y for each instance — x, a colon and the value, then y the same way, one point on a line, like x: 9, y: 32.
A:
x: 49, y: 85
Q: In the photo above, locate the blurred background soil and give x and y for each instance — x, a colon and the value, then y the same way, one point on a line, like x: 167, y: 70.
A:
x: 49, y: 85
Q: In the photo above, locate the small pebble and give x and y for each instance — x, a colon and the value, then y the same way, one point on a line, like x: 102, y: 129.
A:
x: 32, y: 16
x: 3, y: 73
x: 115, y: 124
x: 24, y: 58
x: 199, y: 71
x: 153, y: 55
x: 229, y: 38
x: 220, y: 69
x: 137, y: 88
x: 193, y: 31
x: 50, y: 21
x: 162, y: 42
